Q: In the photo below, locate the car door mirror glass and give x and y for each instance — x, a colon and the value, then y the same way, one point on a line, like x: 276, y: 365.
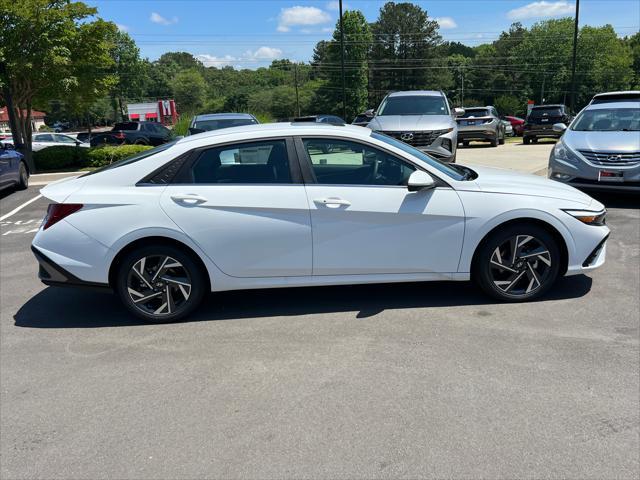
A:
x: 370, y: 113
x: 559, y: 127
x: 458, y: 111
x: 420, y: 180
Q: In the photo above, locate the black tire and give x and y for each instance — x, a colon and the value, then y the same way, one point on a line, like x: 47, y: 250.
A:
x: 23, y: 177
x: 494, y: 141
x: 185, y: 286
x: 140, y: 141
x: 501, y: 141
x: 526, y: 140
x: 527, y: 278
x: 534, y: 139
x: 465, y: 143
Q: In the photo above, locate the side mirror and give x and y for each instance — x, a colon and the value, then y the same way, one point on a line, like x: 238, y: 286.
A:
x: 420, y: 180
x: 194, y: 131
x: 458, y: 111
x: 559, y: 127
x: 370, y: 113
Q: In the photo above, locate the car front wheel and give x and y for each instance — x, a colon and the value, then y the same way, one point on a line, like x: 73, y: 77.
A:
x: 517, y: 263
x: 160, y: 283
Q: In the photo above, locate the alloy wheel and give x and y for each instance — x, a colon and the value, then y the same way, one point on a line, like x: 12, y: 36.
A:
x: 159, y: 285
x: 520, y: 265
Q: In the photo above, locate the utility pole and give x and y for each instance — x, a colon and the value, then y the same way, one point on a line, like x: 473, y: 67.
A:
x: 295, y: 73
x: 573, y: 64
x: 344, y: 88
x: 462, y: 89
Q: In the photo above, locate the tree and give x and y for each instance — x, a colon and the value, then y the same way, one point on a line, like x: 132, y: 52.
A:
x: 39, y: 42
x: 509, y: 105
x: 327, y: 54
x: 128, y: 69
x: 405, y: 53
x: 189, y: 90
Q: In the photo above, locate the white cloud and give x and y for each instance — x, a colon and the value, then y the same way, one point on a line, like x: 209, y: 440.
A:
x: 446, y: 22
x: 290, y: 17
x: 248, y: 59
x: 541, y: 9
x: 122, y: 28
x: 213, y: 61
x: 157, y: 18
x: 265, y: 53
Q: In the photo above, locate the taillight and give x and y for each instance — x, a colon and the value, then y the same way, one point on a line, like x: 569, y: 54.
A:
x: 120, y: 135
x: 58, y: 211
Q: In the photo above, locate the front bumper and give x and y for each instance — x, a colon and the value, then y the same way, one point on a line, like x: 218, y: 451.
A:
x: 487, y: 135
x: 582, y: 174
x: 440, y: 144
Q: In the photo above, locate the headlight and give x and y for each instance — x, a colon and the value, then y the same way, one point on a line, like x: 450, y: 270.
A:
x: 589, y: 217
x: 564, y: 153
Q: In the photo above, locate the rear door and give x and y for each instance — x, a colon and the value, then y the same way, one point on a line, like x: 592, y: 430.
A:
x: 366, y: 221
x: 245, y: 205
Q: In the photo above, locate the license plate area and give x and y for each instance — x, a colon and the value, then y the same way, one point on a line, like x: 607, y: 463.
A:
x: 471, y: 122
x: 610, y: 176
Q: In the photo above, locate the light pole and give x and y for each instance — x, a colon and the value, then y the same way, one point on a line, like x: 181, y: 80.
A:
x: 344, y: 91
x: 573, y: 64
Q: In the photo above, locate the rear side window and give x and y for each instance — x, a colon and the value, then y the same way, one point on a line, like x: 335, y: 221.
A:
x: 255, y: 162
x: 44, y: 137
x: 126, y: 126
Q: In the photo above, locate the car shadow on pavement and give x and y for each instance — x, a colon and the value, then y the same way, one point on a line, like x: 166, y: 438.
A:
x: 70, y: 308
x: 622, y: 200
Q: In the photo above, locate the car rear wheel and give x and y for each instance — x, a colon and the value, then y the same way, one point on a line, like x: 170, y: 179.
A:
x: 160, y: 283
x: 465, y: 143
x: 494, y: 141
x: 501, y: 141
x: 517, y: 263
x: 23, y: 176
x: 526, y: 140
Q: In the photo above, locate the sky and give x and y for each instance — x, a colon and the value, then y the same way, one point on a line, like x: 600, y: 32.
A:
x: 252, y: 33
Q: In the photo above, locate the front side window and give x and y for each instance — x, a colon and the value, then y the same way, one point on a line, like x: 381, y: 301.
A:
x: 608, y: 120
x: 414, y: 105
x: 340, y: 162
x: 255, y: 162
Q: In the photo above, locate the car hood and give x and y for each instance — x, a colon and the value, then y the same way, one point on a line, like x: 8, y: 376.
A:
x: 602, y: 141
x: 394, y: 123
x: 499, y: 180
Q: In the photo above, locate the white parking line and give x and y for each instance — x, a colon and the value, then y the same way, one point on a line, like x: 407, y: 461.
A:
x: 17, y: 209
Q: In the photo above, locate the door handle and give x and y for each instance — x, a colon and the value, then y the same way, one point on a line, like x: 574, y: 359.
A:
x: 332, y: 202
x: 188, y: 198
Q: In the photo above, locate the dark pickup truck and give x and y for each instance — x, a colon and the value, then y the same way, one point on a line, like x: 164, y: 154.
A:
x: 539, y: 123
x: 133, y: 133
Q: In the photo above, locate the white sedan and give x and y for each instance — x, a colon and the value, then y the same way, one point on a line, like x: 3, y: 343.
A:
x: 306, y: 204
x: 40, y: 141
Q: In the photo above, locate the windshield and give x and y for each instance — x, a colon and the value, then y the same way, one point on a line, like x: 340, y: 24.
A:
x: 126, y: 126
x: 608, y: 120
x: 546, y: 112
x: 414, y: 105
x: 207, y: 125
x: 134, y: 158
x: 479, y: 112
x: 441, y: 167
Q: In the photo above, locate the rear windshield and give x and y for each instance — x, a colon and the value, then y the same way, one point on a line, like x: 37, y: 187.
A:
x: 480, y: 112
x: 133, y: 158
x: 207, y: 125
x: 546, y: 112
x: 414, y: 105
x: 126, y: 126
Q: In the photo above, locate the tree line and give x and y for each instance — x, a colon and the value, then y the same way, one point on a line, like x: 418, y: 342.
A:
x: 59, y: 57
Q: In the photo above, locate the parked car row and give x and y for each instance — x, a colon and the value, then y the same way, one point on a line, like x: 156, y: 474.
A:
x: 41, y: 141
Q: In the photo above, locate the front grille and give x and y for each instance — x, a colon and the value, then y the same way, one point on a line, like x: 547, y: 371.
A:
x: 612, y: 159
x: 419, y: 139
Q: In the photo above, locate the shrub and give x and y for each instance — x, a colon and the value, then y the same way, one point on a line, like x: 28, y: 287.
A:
x: 45, y: 128
x: 181, y: 128
x: 60, y: 158
x: 101, y: 156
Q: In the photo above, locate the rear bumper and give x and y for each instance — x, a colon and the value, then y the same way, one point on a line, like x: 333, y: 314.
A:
x: 50, y: 273
x: 476, y: 135
x: 540, y: 133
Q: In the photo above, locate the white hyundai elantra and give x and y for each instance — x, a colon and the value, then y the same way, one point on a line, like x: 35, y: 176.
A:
x: 303, y: 204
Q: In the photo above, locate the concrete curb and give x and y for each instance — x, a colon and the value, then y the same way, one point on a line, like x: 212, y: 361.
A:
x: 46, y: 178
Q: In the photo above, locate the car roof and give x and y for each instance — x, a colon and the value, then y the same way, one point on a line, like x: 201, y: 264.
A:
x: 426, y: 93
x: 605, y: 105
x: 477, y: 108
x: 620, y: 92
x: 275, y: 129
x: 549, y: 105
x: 223, y: 116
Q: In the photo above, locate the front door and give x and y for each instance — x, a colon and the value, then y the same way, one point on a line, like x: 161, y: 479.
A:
x: 366, y: 221
x: 245, y: 207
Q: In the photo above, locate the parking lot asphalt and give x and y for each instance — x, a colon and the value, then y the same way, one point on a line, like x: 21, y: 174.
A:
x: 407, y: 380
x: 532, y: 158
